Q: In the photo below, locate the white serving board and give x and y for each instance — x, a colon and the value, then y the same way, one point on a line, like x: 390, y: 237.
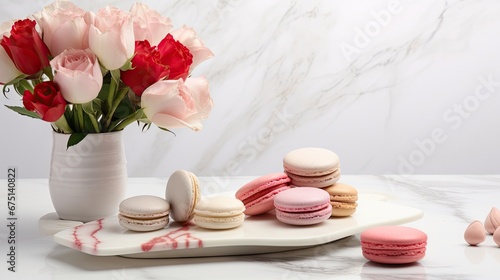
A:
x: 258, y: 234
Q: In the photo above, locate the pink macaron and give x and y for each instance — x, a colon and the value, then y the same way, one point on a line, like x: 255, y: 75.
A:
x: 393, y: 244
x: 257, y: 195
x: 303, y: 206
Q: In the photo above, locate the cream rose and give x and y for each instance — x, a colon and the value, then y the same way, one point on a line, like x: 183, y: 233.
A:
x: 111, y: 36
x: 78, y: 75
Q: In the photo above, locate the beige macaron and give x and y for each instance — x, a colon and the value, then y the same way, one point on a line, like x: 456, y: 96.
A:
x: 183, y: 193
x: 343, y: 199
x: 220, y: 212
x: 144, y: 213
x: 312, y: 167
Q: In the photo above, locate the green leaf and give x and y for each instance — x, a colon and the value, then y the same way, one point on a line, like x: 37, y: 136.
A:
x: 103, y: 94
x: 114, y: 124
x: 128, y: 65
x: 115, y: 75
x: 23, y: 111
x: 123, y: 111
x: 168, y: 130
x: 5, y: 90
x: 97, y: 104
x: 145, y: 127
x: 88, y: 108
x: 75, y: 138
x: 19, y: 89
x: 139, y: 114
x: 87, y: 123
x: 17, y: 79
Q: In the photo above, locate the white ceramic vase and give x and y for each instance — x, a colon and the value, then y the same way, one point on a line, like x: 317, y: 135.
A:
x: 89, y: 180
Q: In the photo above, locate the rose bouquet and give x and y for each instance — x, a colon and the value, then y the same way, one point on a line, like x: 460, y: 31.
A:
x: 87, y: 72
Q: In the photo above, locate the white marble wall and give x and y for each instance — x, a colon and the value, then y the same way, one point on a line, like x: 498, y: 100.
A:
x: 392, y: 86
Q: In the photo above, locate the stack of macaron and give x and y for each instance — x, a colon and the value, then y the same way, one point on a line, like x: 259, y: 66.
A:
x: 320, y: 168
x: 295, y: 206
x: 307, y: 192
x: 182, y: 203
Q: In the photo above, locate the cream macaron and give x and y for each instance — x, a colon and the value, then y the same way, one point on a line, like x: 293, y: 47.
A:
x: 144, y: 213
x: 312, y: 167
x: 219, y: 212
x: 182, y: 193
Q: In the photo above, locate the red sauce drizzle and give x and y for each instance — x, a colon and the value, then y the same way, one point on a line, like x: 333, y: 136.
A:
x: 173, y: 238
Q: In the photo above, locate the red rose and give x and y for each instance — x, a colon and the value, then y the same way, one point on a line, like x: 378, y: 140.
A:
x: 46, y: 100
x: 147, y: 68
x: 25, y: 47
x: 176, y: 56
x: 170, y: 60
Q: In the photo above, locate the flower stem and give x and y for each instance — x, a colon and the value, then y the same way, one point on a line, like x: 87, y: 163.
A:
x: 22, y: 86
x: 111, y: 93
x: 121, y: 94
x: 94, y: 123
x: 47, y: 71
x: 79, y: 117
x: 130, y: 119
x: 62, y: 125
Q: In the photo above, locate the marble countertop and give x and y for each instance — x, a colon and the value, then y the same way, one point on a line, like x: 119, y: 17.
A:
x: 449, y: 203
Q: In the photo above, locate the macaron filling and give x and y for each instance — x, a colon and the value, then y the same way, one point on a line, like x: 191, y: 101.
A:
x: 380, y: 246
x: 263, y: 193
x: 395, y: 253
x: 220, y: 219
x: 306, y: 217
x: 307, y: 213
x: 309, y: 209
x: 145, y: 216
x: 140, y: 222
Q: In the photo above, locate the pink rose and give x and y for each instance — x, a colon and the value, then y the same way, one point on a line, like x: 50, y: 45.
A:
x: 149, y: 24
x: 201, y: 94
x: 78, y: 75
x: 8, y: 70
x: 188, y: 37
x: 171, y: 103
x: 111, y: 36
x: 63, y: 26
